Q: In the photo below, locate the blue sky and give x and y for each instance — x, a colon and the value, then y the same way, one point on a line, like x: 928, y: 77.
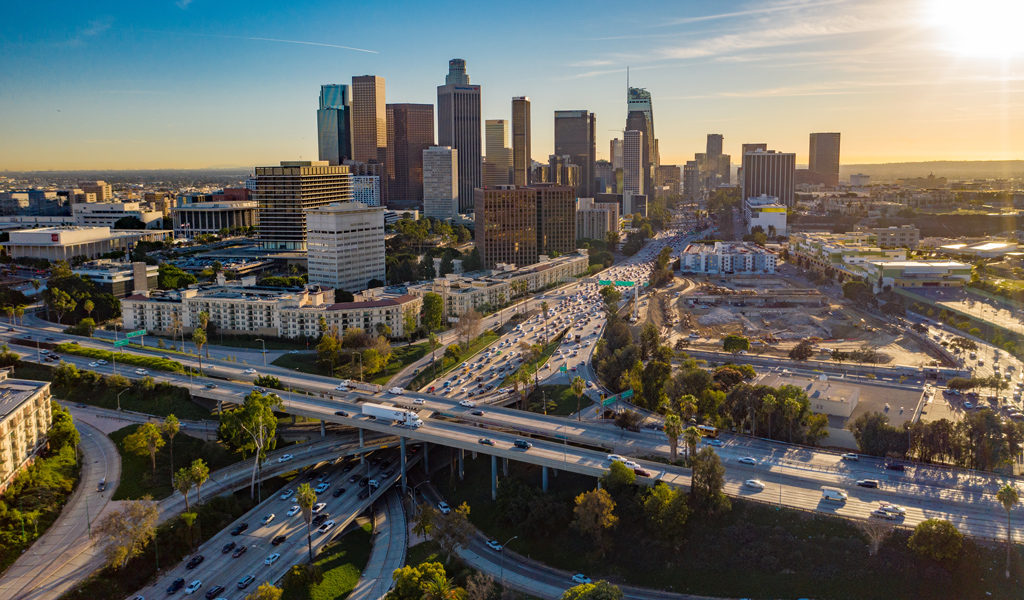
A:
x: 167, y: 83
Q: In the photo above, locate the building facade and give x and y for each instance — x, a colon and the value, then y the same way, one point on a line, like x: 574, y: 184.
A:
x: 767, y: 213
x: 522, y: 157
x: 595, y: 219
x: 119, y: 279
x: 440, y: 182
x: 824, y: 158
x: 727, y: 258
x: 410, y: 132
x: 458, y: 127
x: 284, y: 194
x: 199, y: 214
x: 101, y: 189
x: 769, y: 173
x: 556, y: 219
x: 498, y: 160
x: 366, y: 189
x: 575, y: 136
x: 65, y: 243
x: 506, y: 225
x: 370, y: 125
x: 334, y: 124
x: 345, y: 245
x: 904, y: 236
x: 691, y: 181
x: 25, y: 417
x: 633, y: 163
x: 107, y: 214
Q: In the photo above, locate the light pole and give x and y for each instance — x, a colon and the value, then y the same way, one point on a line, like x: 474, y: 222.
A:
x: 264, y: 351
x: 119, y: 398
x: 503, y: 558
x: 414, y: 494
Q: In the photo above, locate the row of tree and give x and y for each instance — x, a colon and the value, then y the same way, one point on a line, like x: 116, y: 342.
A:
x: 71, y: 296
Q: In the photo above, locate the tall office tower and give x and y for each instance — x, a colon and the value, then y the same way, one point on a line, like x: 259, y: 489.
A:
x: 284, y: 193
x: 668, y: 179
x: 440, y: 182
x: 633, y: 163
x: 691, y: 181
x: 506, y: 225
x: 498, y: 160
x: 575, y: 133
x: 458, y: 127
x: 715, y: 144
x: 410, y: 132
x: 556, y: 219
x: 769, y: 173
x: 370, y: 125
x: 604, y: 176
x: 366, y: 189
x: 743, y: 152
x: 522, y: 157
x: 562, y: 171
x: 824, y: 158
x: 637, y: 121
x: 334, y: 124
x: 616, y: 153
x: 345, y: 245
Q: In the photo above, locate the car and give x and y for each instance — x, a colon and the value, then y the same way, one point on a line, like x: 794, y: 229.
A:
x: 245, y: 581
x: 94, y: 364
x: 477, y: 413
x: 341, y: 388
x: 101, y: 486
x: 293, y: 352
x: 642, y: 472
x: 630, y: 464
x: 881, y: 514
x: 285, y: 458
x: 319, y: 506
x: 353, y: 479
x: 250, y: 371
x: 754, y: 483
x: 396, y: 391
x: 195, y: 562
x: 868, y: 483
x: 211, y: 386
x: 494, y: 545
x: 141, y: 372
x: 101, y: 362
x: 714, y: 442
x: 267, y: 520
x: 194, y: 587
x: 294, y: 510
x: 327, y: 526
x: 363, y: 495
x: 895, y: 509
x: 418, y: 400
x: 210, y: 595
x: 895, y: 467
x: 277, y: 541
x: 590, y: 384
x: 338, y: 492
x: 748, y: 460
x: 850, y: 456
x: 467, y: 403
x: 239, y: 551
x: 485, y: 441
x: 341, y: 413
x: 272, y: 558
x: 176, y: 585
x: 287, y: 494
x: 228, y: 547
x: 581, y: 579
x: 319, y: 519
x: 522, y: 444
x: 241, y: 528
x: 615, y: 458
x: 444, y: 508
x: 321, y: 488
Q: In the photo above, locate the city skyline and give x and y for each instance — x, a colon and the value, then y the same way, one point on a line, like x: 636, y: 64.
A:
x: 193, y: 85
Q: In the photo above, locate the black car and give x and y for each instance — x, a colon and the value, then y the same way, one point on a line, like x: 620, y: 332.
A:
x: 176, y: 585
x: 387, y: 474
x: 228, y: 547
x: 210, y: 595
x: 347, y: 468
x: 364, y: 481
x: 895, y: 467
x: 240, y: 551
x: 375, y: 461
x: 278, y: 540
x: 195, y: 562
x: 363, y: 495
x: 478, y: 413
x: 341, y: 413
x: 353, y: 479
x: 319, y: 519
x: 338, y: 492
x: 211, y: 386
x: 238, y: 530
x: 311, y: 476
x: 102, y: 485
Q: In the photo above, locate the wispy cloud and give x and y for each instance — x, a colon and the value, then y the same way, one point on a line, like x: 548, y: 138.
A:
x: 785, y: 6
x: 262, y: 39
x: 91, y: 29
x: 183, y: 4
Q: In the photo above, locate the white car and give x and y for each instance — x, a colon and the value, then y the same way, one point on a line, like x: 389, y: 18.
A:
x: 494, y: 545
x: 396, y: 391
x: 444, y: 508
x: 329, y: 525
x: 754, y: 483
x: 417, y: 401
x: 285, y: 458
x: 250, y: 371
x: 94, y: 364
x: 267, y: 520
x: 748, y: 460
x: 341, y: 388
x: 319, y: 506
x: 294, y: 510
x: 194, y: 587
x: 142, y: 372
x: 581, y: 579
x: 322, y: 488
x: 287, y: 494
x: 615, y: 458
x: 272, y: 558
x: 895, y: 509
x: 467, y: 403
x: 101, y: 362
x: 631, y: 464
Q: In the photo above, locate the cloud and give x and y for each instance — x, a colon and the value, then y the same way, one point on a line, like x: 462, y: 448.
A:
x: 91, y: 29
x: 183, y: 4
x: 262, y: 39
x: 751, y: 12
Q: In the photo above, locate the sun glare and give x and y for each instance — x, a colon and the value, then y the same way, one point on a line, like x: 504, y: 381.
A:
x: 982, y: 28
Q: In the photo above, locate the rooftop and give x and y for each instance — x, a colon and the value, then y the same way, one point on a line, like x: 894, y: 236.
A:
x: 13, y: 392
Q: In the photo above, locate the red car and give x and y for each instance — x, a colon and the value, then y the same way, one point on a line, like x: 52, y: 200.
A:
x: 642, y: 472
x: 430, y: 390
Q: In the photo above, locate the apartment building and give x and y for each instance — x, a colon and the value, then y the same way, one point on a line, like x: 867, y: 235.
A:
x: 345, y: 245
x: 727, y: 258
x: 25, y: 418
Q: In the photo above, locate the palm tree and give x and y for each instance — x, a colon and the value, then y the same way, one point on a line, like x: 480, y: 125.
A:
x: 1008, y: 496
x: 673, y: 429
x: 182, y: 481
x: 524, y: 378
x: 692, y: 436
x: 688, y: 406
x: 439, y: 588
x: 171, y: 426
x: 19, y: 314
x: 176, y: 328
x: 306, y: 498
x: 544, y: 311
x: 577, y: 388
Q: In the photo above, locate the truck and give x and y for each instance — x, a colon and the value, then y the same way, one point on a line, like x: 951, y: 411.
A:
x: 833, y: 494
x: 391, y: 413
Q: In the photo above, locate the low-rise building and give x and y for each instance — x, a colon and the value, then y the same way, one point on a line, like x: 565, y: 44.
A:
x: 65, y: 243
x: 25, y: 417
x: 918, y: 273
x: 982, y: 249
x: 119, y: 278
x: 208, y: 214
x: 727, y: 258
x: 107, y: 214
x: 840, y: 255
x: 904, y: 236
x: 766, y: 212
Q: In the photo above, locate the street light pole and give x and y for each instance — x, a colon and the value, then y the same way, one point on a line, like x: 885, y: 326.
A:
x: 503, y: 558
x: 260, y: 340
x: 119, y: 398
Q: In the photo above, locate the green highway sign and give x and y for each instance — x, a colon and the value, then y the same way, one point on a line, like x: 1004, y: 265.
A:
x: 120, y: 343
x: 626, y: 394
x: 625, y: 283
x: 562, y: 369
x: 603, y: 282
x: 132, y: 334
x: 609, y: 400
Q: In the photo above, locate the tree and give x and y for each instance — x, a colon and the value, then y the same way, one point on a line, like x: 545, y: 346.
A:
x: 1008, y: 497
x: 453, y: 530
x: 253, y: 428
x: 176, y: 326
x: 204, y: 324
x: 673, y: 429
x: 692, y: 436
x: 602, y: 590
x: 802, y: 351
x: 735, y: 343
x: 183, y: 482
x: 578, y: 386
x: 439, y: 587
x: 649, y: 340
x: 170, y: 427
x: 88, y: 306
x: 128, y: 530
x: 594, y: 517
x: 618, y: 477
x: 937, y: 539
x: 266, y: 591
x: 147, y: 439
x: 409, y: 580
x: 199, y: 339
x: 409, y: 324
x: 666, y: 511
x: 306, y: 498
x: 200, y: 473
x: 876, y: 532
x: 189, y: 519
x: 129, y: 223
x: 423, y: 522
x: 480, y: 586
x: 708, y: 481
x: 839, y: 356
x: 61, y: 303
x: 433, y: 311
x: 857, y: 291
x: 468, y: 326
x: 629, y: 419
x: 62, y: 432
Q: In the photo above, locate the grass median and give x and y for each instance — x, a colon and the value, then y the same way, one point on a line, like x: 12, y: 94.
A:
x: 401, y: 357
x: 148, y: 362
x: 558, y: 398
x: 341, y: 562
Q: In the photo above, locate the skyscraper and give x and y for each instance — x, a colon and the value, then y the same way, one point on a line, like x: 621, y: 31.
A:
x: 556, y: 219
x: 640, y: 117
x: 522, y: 159
x: 284, y: 193
x: 345, y: 245
x: 498, y: 159
x: 410, y: 132
x: 769, y: 173
x: 824, y: 158
x: 440, y: 182
x: 369, y: 124
x: 506, y: 225
x: 333, y: 124
x: 632, y: 162
x: 636, y: 121
x: 458, y: 124
x: 691, y: 181
x: 575, y: 132
x: 615, y: 152
x: 714, y: 144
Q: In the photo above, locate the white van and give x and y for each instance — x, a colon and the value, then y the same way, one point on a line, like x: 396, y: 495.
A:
x: 833, y: 494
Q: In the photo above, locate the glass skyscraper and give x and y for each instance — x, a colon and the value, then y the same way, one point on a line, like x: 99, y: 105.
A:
x: 334, y: 123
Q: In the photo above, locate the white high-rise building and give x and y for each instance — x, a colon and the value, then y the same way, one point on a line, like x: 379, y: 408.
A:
x: 345, y: 245
x: 366, y: 189
x: 440, y: 182
x: 632, y: 163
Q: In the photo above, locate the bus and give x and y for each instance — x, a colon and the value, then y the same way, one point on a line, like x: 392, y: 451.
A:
x: 707, y: 431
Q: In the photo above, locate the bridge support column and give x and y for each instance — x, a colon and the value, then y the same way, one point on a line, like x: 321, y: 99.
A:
x: 362, y: 456
x: 598, y: 483
x: 504, y: 467
x: 293, y: 419
x: 544, y: 478
x: 462, y: 469
x: 494, y: 477
x: 323, y: 429
x: 220, y: 408
x: 401, y: 441
x: 426, y: 459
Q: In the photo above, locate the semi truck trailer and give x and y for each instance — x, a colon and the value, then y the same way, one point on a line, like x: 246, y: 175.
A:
x: 393, y: 414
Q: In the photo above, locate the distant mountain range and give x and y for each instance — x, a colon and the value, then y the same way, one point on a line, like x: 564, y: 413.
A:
x: 951, y: 169
x: 167, y: 177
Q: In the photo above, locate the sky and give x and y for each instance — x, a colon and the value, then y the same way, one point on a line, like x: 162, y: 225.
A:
x: 218, y: 83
